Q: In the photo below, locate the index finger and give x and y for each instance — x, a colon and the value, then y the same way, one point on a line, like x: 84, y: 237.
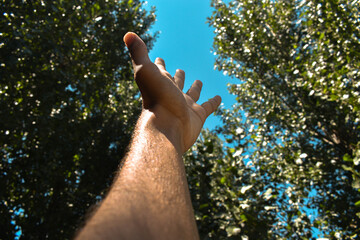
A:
x: 160, y: 63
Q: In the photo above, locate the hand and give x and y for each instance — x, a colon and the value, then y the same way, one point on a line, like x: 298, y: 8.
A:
x: 175, y: 113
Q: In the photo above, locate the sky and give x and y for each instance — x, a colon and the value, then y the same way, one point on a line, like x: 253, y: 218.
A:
x: 185, y: 42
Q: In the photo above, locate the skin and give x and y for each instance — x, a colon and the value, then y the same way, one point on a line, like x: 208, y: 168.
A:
x: 150, y: 197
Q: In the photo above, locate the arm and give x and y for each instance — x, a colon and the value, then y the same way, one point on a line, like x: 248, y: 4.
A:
x: 150, y: 198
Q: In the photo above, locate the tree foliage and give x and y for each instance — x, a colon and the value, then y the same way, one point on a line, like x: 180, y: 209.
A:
x: 67, y: 107
x: 222, y: 187
x: 292, y: 166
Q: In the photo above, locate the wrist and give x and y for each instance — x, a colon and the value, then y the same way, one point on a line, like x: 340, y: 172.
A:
x: 159, y: 120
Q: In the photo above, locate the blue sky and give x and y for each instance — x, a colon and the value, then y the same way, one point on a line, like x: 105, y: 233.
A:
x: 185, y: 42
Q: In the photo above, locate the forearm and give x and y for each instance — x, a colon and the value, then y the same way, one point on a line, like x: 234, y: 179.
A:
x: 150, y: 197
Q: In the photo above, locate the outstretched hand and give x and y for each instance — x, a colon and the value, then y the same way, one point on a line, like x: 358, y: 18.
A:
x: 175, y: 113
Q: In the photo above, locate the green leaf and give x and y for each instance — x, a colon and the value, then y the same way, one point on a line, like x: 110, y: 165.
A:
x: 334, y: 97
x: 222, y: 180
x: 356, y: 183
x: 347, y: 168
x: 205, y: 205
x: 347, y: 158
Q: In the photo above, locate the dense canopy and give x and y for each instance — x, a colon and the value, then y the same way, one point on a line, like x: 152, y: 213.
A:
x: 290, y: 168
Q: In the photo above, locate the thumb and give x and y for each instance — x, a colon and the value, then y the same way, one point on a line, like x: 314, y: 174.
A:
x: 137, y: 48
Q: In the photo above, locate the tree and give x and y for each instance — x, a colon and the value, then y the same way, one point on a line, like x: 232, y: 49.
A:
x: 296, y: 119
x: 68, y: 104
x: 225, y: 198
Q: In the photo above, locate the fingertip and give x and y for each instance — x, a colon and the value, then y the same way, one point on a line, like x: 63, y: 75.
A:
x: 129, y: 38
x: 159, y: 60
x: 198, y: 83
x: 137, y: 48
x: 179, y: 78
x: 215, y: 101
x: 218, y: 99
x: 180, y: 73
